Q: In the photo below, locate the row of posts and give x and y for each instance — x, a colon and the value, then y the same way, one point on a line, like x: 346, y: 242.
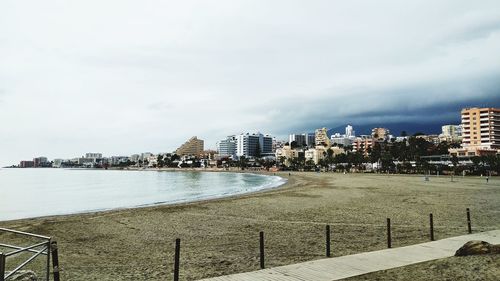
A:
x: 51, y: 251
x: 328, y: 242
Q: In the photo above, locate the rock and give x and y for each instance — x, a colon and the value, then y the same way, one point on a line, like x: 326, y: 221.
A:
x: 476, y: 247
x: 24, y: 275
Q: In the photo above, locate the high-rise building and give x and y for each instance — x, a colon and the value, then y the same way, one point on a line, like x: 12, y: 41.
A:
x: 310, y: 140
x: 481, y: 130
x: 321, y: 137
x: 300, y: 140
x: 193, y: 146
x: 93, y: 155
x: 254, y: 145
x: 227, y: 147
x: 349, y: 131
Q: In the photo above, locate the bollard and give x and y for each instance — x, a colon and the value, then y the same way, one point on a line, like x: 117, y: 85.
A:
x: 468, y: 221
x: 389, y: 242
x: 2, y: 267
x: 55, y: 260
x: 261, y: 234
x: 328, y: 241
x: 177, y: 258
x: 431, y: 221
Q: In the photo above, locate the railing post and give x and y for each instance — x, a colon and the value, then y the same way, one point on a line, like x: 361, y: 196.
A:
x: 389, y: 240
x: 469, y: 227
x: 328, y: 240
x: 261, y: 236
x: 55, y: 259
x: 2, y: 267
x: 48, y: 260
x: 431, y: 222
x: 177, y: 258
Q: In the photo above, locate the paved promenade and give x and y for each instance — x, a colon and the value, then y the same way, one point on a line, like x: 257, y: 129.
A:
x: 353, y: 265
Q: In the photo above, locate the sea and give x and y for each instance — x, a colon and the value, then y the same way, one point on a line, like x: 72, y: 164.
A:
x: 28, y: 193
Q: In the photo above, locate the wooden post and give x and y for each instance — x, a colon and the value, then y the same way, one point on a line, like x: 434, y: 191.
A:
x: 2, y: 267
x: 55, y: 260
x: 468, y: 221
x: 431, y: 221
x: 177, y: 258
x: 389, y: 242
x: 328, y: 240
x: 261, y: 234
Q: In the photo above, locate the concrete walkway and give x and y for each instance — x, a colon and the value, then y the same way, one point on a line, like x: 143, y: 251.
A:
x: 353, y: 265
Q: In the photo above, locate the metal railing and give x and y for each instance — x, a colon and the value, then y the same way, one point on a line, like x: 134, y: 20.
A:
x: 46, y: 248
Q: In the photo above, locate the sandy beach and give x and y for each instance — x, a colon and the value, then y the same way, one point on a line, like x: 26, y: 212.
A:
x: 220, y: 236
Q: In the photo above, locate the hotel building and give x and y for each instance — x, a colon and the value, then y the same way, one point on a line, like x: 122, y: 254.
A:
x: 321, y: 137
x: 193, y: 146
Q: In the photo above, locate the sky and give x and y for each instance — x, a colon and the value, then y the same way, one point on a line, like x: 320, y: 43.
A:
x: 123, y: 77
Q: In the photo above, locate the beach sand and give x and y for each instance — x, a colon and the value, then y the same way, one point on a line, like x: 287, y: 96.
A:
x: 221, y: 236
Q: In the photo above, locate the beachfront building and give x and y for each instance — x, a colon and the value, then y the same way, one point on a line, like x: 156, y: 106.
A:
x: 227, y: 147
x: 254, y: 145
x: 380, y: 134
x: 480, y: 132
x: 321, y: 137
x: 193, y: 146
x: 287, y: 153
x: 349, y: 131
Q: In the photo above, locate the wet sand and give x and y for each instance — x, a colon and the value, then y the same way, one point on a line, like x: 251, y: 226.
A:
x: 220, y: 237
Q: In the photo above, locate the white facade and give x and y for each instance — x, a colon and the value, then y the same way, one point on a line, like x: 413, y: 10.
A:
x: 249, y: 145
x: 227, y: 147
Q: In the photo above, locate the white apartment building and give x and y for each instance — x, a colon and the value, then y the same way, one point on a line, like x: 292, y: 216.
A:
x: 250, y: 145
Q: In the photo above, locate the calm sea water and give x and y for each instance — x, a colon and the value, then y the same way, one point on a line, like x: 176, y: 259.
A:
x: 26, y: 193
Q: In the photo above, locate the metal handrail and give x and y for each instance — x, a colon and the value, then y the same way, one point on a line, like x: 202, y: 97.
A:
x: 46, y: 250
x: 24, y: 233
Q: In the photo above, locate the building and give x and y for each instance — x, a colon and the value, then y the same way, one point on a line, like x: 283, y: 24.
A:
x: 93, y: 155
x: 430, y: 138
x: 321, y: 137
x: 451, y: 133
x: 40, y: 162
x: 288, y: 153
x: 349, y: 131
x: 227, y: 147
x: 363, y: 144
x: 480, y: 132
x: 310, y: 139
x: 254, y: 145
x: 300, y: 140
x: 26, y: 164
x: 380, y: 134
x: 193, y: 146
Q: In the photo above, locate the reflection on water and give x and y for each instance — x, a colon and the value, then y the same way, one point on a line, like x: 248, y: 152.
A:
x: 39, y: 192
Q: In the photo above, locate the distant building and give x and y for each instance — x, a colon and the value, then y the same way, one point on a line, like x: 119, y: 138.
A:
x: 254, y: 145
x: 349, y: 131
x: 40, y: 162
x: 93, y: 155
x: 363, y: 144
x: 451, y: 133
x: 321, y: 137
x: 299, y: 139
x: 26, y: 164
x: 57, y: 163
x: 227, y: 147
x: 380, y: 134
x: 430, y: 138
x: 193, y: 146
x: 480, y: 132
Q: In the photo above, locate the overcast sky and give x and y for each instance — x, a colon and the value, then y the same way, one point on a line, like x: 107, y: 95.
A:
x: 121, y: 77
